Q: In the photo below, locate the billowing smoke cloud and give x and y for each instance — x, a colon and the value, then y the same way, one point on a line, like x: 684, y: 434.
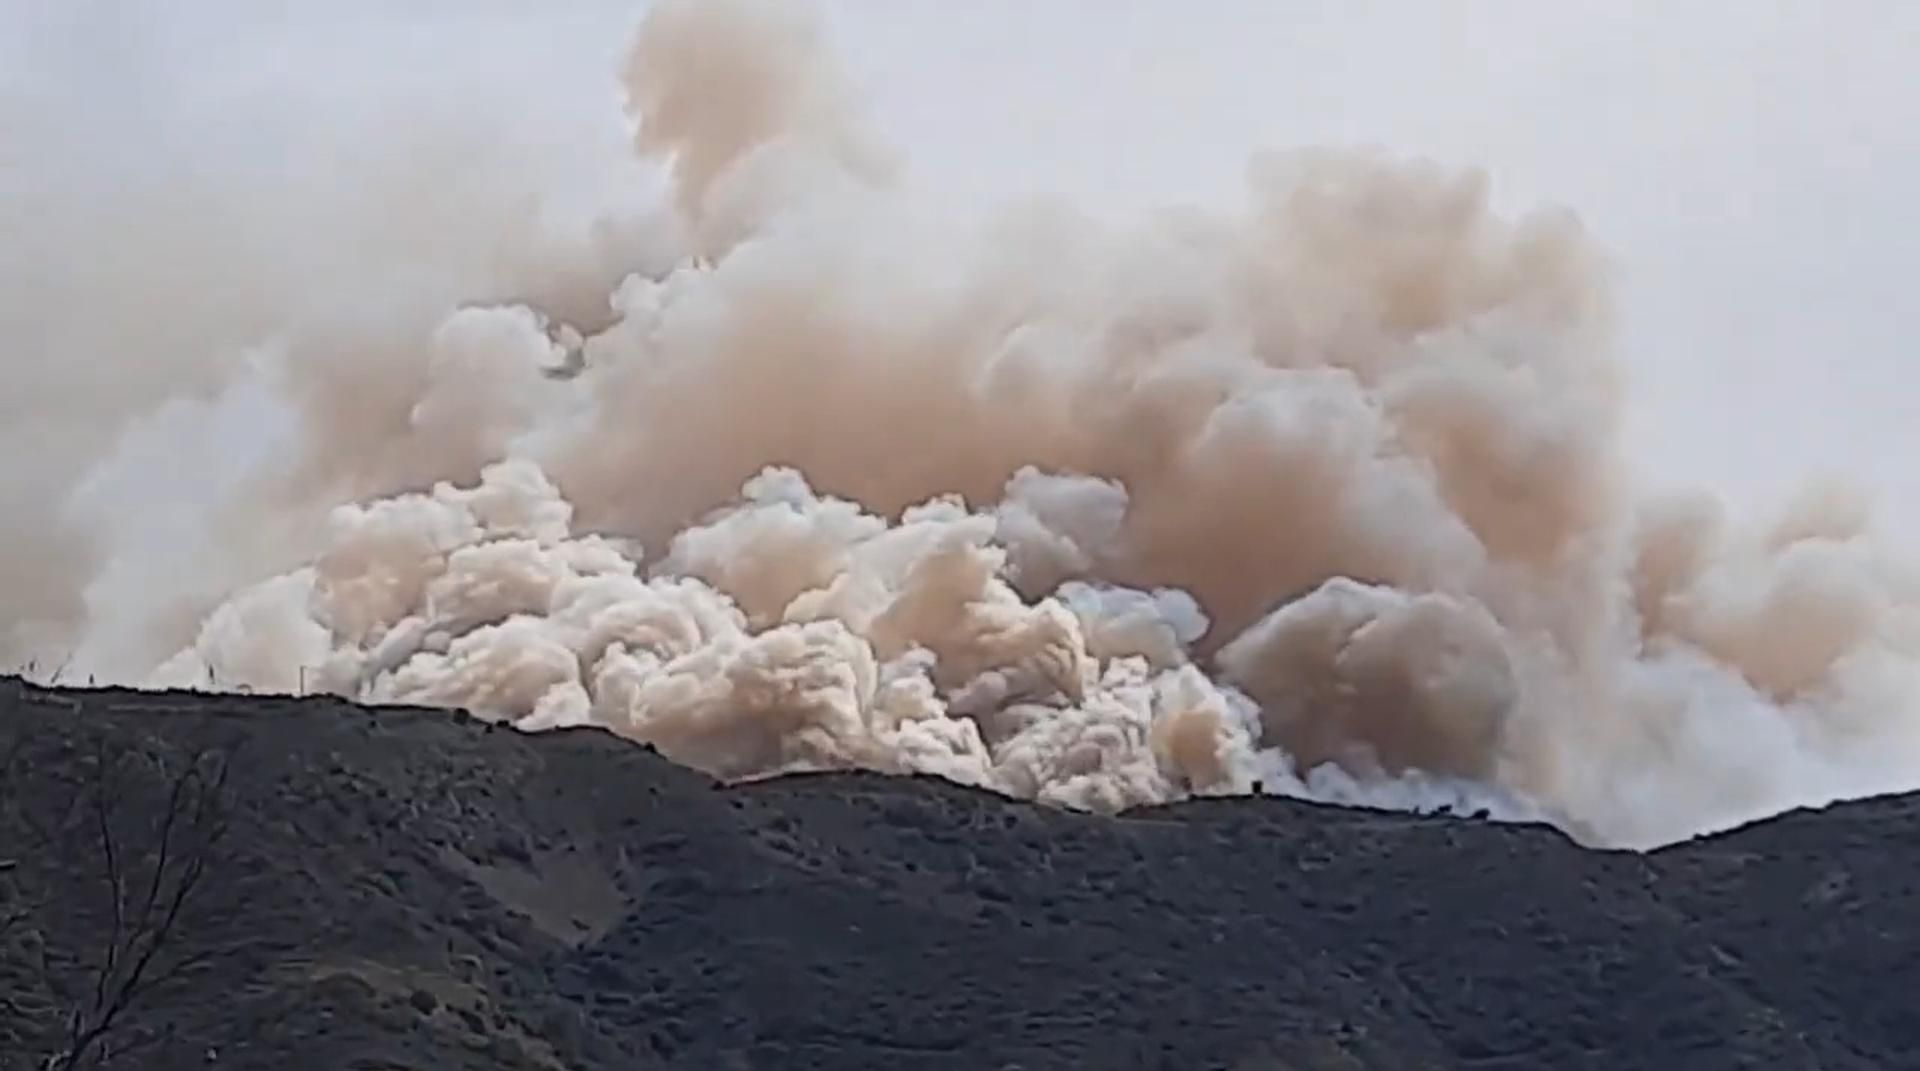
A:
x: 780, y: 470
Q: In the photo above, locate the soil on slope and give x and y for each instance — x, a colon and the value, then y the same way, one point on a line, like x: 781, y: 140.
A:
x: 414, y: 889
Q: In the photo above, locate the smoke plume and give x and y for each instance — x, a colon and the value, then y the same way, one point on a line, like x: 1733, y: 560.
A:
x: 764, y: 463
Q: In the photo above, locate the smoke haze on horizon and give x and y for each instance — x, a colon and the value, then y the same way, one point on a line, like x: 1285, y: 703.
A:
x: 1330, y: 487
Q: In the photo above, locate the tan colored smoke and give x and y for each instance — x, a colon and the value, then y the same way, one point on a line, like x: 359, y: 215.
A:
x: 1323, y: 494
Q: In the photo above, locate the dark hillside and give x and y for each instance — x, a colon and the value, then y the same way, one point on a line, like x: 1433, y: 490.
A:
x: 411, y: 889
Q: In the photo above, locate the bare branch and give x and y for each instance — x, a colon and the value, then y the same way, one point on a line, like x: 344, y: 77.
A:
x: 116, y: 887
x: 191, y: 824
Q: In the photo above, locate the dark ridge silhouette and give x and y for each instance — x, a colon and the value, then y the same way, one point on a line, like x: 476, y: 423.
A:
x: 195, y: 881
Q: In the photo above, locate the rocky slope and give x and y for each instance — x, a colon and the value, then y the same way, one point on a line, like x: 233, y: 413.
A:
x: 306, y: 884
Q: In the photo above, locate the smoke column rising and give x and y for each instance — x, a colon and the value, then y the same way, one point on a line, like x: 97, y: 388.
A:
x: 747, y: 453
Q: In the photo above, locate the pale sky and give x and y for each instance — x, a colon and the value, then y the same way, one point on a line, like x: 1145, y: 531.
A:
x: 1749, y: 166
x: 1753, y: 172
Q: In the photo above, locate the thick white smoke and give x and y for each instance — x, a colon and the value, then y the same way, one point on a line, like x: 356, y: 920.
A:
x: 780, y: 471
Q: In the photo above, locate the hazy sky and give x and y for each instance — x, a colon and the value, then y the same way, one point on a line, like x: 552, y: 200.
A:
x: 1752, y: 172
